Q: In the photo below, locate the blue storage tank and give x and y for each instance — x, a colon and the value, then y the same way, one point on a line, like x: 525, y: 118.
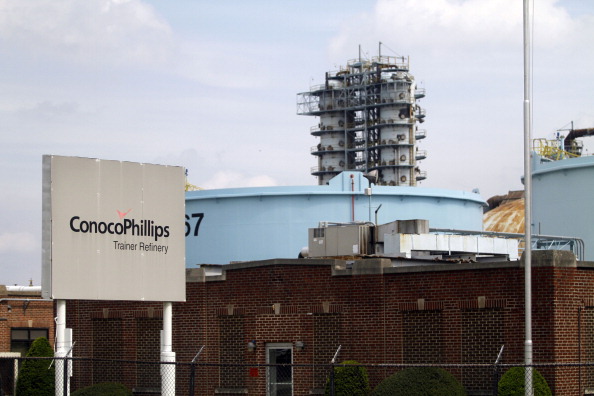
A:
x: 562, y: 196
x: 243, y: 224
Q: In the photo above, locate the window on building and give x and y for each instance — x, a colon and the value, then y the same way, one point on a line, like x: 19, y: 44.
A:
x: 22, y: 338
x: 279, y: 379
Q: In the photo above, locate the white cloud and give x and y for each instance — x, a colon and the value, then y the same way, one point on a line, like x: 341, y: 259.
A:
x: 456, y: 27
x: 225, y: 64
x: 18, y: 242
x: 130, y: 34
x: 439, y: 26
x: 232, y: 179
x: 46, y: 110
x: 102, y: 32
x: 450, y: 23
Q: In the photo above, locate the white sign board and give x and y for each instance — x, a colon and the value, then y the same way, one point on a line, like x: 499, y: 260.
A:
x: 113, y: 230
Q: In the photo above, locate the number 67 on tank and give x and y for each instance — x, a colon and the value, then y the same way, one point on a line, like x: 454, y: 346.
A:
x: 198, y: 217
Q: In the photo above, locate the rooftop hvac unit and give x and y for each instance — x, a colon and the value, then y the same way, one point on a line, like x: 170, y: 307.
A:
x: 330, y: 240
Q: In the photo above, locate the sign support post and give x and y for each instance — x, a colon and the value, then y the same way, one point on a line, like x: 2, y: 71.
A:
x: 112, y: 230
x: 61, y: 350
x: 167, y: 355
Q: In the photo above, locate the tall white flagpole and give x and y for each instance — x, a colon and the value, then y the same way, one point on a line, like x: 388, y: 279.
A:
x: 528, y: 389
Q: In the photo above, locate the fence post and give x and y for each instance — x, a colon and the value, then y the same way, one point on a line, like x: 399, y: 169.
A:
x: 332, y: 372
x: 332, y: 379
x: 192, y: 374
x: 193, y: 371
x: 495, y: 379
x: 496, y: 372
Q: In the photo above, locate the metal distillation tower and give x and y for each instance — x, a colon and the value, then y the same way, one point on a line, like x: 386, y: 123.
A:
x: 367, y: 120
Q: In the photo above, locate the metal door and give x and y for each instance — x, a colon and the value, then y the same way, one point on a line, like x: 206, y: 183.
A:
x: 279, y: 379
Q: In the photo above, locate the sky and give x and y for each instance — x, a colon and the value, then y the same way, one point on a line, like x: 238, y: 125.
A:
x: 212, y: 86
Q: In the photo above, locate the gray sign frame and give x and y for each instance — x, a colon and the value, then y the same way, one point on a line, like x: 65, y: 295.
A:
x: 112, y: 230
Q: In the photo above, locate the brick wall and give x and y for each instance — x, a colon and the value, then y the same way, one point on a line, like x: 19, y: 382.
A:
x: 482, y: 339
x: 117, y: 330
x: 148, y: 332
x: 424, y: 341
x: 231, y: 348
x: 22, y: 314
x: 326, y: 337
x: 107, y: 343
x: 21, y: 310
x: 461, y: 313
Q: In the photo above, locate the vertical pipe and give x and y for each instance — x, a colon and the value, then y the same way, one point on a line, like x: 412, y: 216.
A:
x: 370, y: 192
x: 167, y: 355
x: 60, y: 381
x: 527, y: 201
x: 580, y: 349
x: 167, y: 326
x: 377, y: 210
x: 353, y: 197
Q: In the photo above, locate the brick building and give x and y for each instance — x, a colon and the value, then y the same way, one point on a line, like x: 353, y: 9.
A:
x: 378, y: 310
x: 24, y: 316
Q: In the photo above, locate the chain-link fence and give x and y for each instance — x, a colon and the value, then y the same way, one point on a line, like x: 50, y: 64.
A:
x: 68, y: 375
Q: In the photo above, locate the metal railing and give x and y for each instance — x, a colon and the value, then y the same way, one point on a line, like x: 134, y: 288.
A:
x: 539, y: 242
x: 551, y: 149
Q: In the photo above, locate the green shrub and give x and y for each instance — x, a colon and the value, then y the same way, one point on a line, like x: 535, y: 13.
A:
x: 34, y: 377
x: 104, y: 388
x: 350, y: 380
x: 420, y: 381
x: 512, y: 383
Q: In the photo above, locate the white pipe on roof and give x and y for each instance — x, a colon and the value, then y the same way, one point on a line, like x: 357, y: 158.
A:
x: 23, y: 288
